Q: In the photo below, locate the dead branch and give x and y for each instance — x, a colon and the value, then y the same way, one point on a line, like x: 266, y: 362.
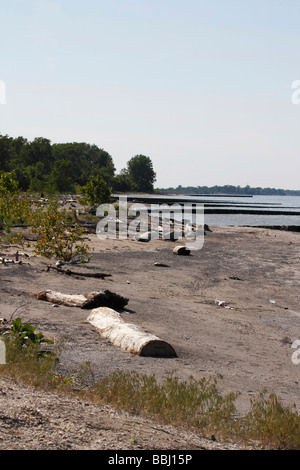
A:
x: 76, y: 273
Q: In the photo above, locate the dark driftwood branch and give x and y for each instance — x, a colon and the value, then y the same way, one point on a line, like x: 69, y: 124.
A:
x: 76, y: 273
x: 104, y: 298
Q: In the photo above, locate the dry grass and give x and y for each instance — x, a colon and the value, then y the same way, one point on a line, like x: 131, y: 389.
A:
x: 193, y: 405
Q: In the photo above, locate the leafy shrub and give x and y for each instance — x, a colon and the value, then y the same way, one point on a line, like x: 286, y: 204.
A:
x: 96, y: 192
x: 57, y: 239
x: 25, y: 334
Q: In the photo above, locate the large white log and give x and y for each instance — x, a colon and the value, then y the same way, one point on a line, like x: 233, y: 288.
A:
x: 127, y: 336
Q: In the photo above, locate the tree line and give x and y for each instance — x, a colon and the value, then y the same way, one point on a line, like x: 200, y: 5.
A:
x: 229, y: 189
x: 45, y: 167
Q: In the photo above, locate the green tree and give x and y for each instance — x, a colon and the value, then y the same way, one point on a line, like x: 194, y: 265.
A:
x: 141, y: 173
x: 5, y: 143
x: 122, y: 182
x: 62, y: 178
x: 8, y: 184
x: 86, y: 160
x: 96, y: 192
x: 8, y: 191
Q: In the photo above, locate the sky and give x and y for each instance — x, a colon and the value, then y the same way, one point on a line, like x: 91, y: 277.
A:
x: 203, y: 88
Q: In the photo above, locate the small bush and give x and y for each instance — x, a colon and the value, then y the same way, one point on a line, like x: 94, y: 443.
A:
x: 56, y: 239
x: 96, y: 192
x: 26, y: 357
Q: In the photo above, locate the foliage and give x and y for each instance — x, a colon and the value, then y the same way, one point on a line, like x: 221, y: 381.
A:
x: 8, y: 184
x: 141, y: 173
x: 196, y: 404
x: 96, y: 192
x: 56, y: 239
x: 273, y: 424
x: 227, y: 189
x: 62, y: 177
x: 42, y: 167
x: 25, y: 333
x: 26, y: 356
x: 8, y: 190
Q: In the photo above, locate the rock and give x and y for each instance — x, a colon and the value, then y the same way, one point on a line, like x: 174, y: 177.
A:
x: 181, y: 250
x: 147, y: 236
x: 144, y: 237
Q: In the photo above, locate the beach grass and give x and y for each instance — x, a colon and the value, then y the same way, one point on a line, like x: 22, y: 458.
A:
x: 194, y: 405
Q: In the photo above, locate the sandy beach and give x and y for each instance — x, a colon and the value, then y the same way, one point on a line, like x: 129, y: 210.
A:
x: 231, y: 308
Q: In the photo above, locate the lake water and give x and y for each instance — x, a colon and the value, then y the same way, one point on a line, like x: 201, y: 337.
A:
x: 256, y: 203
x: 267, y: 210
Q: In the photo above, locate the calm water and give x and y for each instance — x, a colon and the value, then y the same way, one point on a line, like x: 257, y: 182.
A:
x: 254, y: 203
x: 272, y: 203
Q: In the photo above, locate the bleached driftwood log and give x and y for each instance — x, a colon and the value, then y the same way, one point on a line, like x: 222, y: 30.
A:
x: 127, y: 336
x: 109, y: 323
x: 103, y: 298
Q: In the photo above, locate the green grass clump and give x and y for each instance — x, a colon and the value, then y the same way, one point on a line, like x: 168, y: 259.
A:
x: 272, y: 424
x: 191, y: 404
x: 195, y: 405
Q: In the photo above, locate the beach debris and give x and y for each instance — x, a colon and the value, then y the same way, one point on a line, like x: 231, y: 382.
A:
x: 146, y: 236
x: 181, y: 250
x: 77, y: 273
x: 235, y: 278
x: 143, y: 237
x: 6, y: 261
x: 103, y: 298
x: 105, y: 317
x: 18, y: 254
x: 221, y: 303
x: 127, y: 336
x: 157, y: 263
x: 272, y: 301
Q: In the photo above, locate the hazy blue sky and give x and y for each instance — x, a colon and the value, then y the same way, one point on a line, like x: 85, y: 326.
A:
x: 201, y: 87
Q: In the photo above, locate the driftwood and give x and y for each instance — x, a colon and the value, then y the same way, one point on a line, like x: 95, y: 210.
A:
x: 76, y: 273
x: 103, y: 298
x: 109, y: 323
x: 181, y: 250
x: 127, y: 336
